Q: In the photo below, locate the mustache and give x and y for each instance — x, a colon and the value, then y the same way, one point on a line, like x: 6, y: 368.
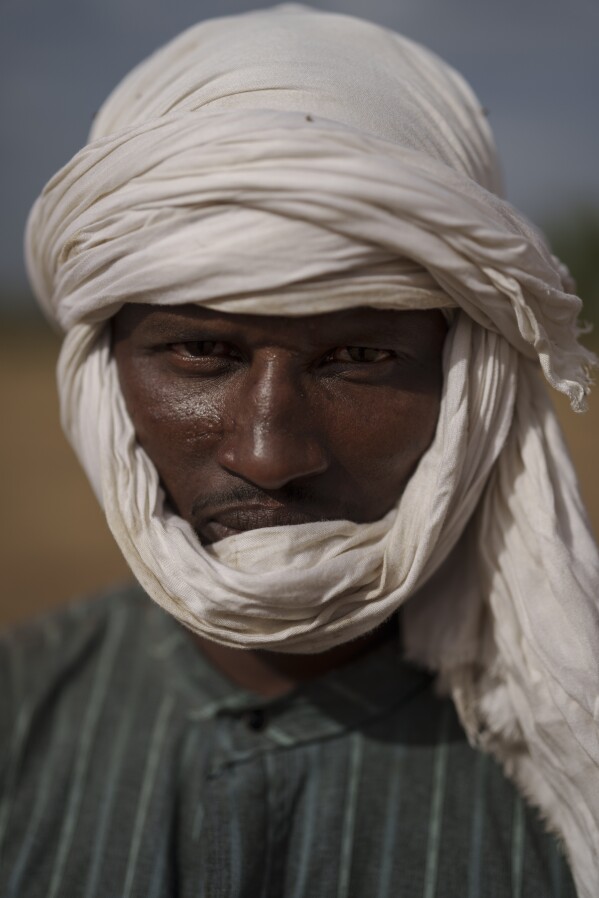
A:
x: 297, y: 498
x: 245, y: 493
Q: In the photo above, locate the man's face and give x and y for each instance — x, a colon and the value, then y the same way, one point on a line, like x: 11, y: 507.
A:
x: 257, y: 421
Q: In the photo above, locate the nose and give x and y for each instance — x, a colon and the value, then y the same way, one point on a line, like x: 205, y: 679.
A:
x: 274, y: 437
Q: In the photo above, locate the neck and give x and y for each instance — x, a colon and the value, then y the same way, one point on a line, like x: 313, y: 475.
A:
x: 272, y: 674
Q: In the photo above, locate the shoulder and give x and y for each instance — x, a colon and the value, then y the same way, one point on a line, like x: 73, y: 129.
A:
x: 64, y: 651
x: 90, y: 697
x: 487, y: 833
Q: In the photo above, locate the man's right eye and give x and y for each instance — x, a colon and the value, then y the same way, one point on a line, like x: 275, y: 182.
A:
x: 202, y: 349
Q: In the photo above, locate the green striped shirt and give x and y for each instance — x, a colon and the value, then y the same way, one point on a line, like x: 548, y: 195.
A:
x: 129, y: 766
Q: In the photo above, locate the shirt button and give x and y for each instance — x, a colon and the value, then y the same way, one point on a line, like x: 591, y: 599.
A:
x: 255, y: 719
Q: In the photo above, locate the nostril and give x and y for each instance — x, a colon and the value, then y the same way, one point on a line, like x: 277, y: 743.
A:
x: 275, y: 438
x: 272, y: 459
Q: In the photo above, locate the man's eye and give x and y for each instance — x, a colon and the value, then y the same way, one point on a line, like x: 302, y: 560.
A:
x: 360, y: 354
x: 200, y: 349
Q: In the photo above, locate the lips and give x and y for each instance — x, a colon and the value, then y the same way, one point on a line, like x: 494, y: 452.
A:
x: 227, y: 522
x: 219, y: 524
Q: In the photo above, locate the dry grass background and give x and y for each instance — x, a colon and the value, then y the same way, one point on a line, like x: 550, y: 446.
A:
x: 55, y: 544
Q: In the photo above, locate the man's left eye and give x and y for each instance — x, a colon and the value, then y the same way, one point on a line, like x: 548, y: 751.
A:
x: 360, y: 354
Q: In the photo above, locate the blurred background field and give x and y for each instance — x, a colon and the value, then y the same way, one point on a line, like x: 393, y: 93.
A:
x: 55, y: 544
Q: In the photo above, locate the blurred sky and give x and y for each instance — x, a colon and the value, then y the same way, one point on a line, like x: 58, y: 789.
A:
x: 533, y: 63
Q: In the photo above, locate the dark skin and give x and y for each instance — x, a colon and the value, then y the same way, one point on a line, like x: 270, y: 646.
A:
x: 259, y: 421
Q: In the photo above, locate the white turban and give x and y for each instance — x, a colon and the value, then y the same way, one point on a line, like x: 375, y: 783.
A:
x: 295, y: 162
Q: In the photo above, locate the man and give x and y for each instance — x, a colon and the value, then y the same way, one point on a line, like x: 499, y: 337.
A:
x: 301, y: 369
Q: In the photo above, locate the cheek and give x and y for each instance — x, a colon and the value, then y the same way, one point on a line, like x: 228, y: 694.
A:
x: 181, y: 424
x: 381, y: 440
x: 177, y: 428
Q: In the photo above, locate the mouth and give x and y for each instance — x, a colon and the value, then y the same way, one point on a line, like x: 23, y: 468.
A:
x: 228, y: 522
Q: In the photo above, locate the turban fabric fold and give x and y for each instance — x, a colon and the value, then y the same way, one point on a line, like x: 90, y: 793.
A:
x: 291, y: 162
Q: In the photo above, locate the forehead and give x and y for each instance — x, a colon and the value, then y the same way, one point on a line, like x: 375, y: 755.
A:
x: 168, y: 322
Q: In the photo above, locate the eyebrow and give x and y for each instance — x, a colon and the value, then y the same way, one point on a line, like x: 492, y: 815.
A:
x: 387, y: 331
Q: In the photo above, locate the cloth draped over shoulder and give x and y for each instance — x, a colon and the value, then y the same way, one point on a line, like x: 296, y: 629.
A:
x: 293, y: 162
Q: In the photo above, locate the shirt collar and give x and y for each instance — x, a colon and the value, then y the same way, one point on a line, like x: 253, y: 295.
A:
x: 336, y: 702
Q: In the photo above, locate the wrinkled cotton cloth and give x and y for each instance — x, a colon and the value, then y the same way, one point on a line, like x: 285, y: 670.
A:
x: 293, y: 162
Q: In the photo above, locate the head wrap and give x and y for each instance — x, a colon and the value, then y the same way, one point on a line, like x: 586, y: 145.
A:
x: 294, y: 162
